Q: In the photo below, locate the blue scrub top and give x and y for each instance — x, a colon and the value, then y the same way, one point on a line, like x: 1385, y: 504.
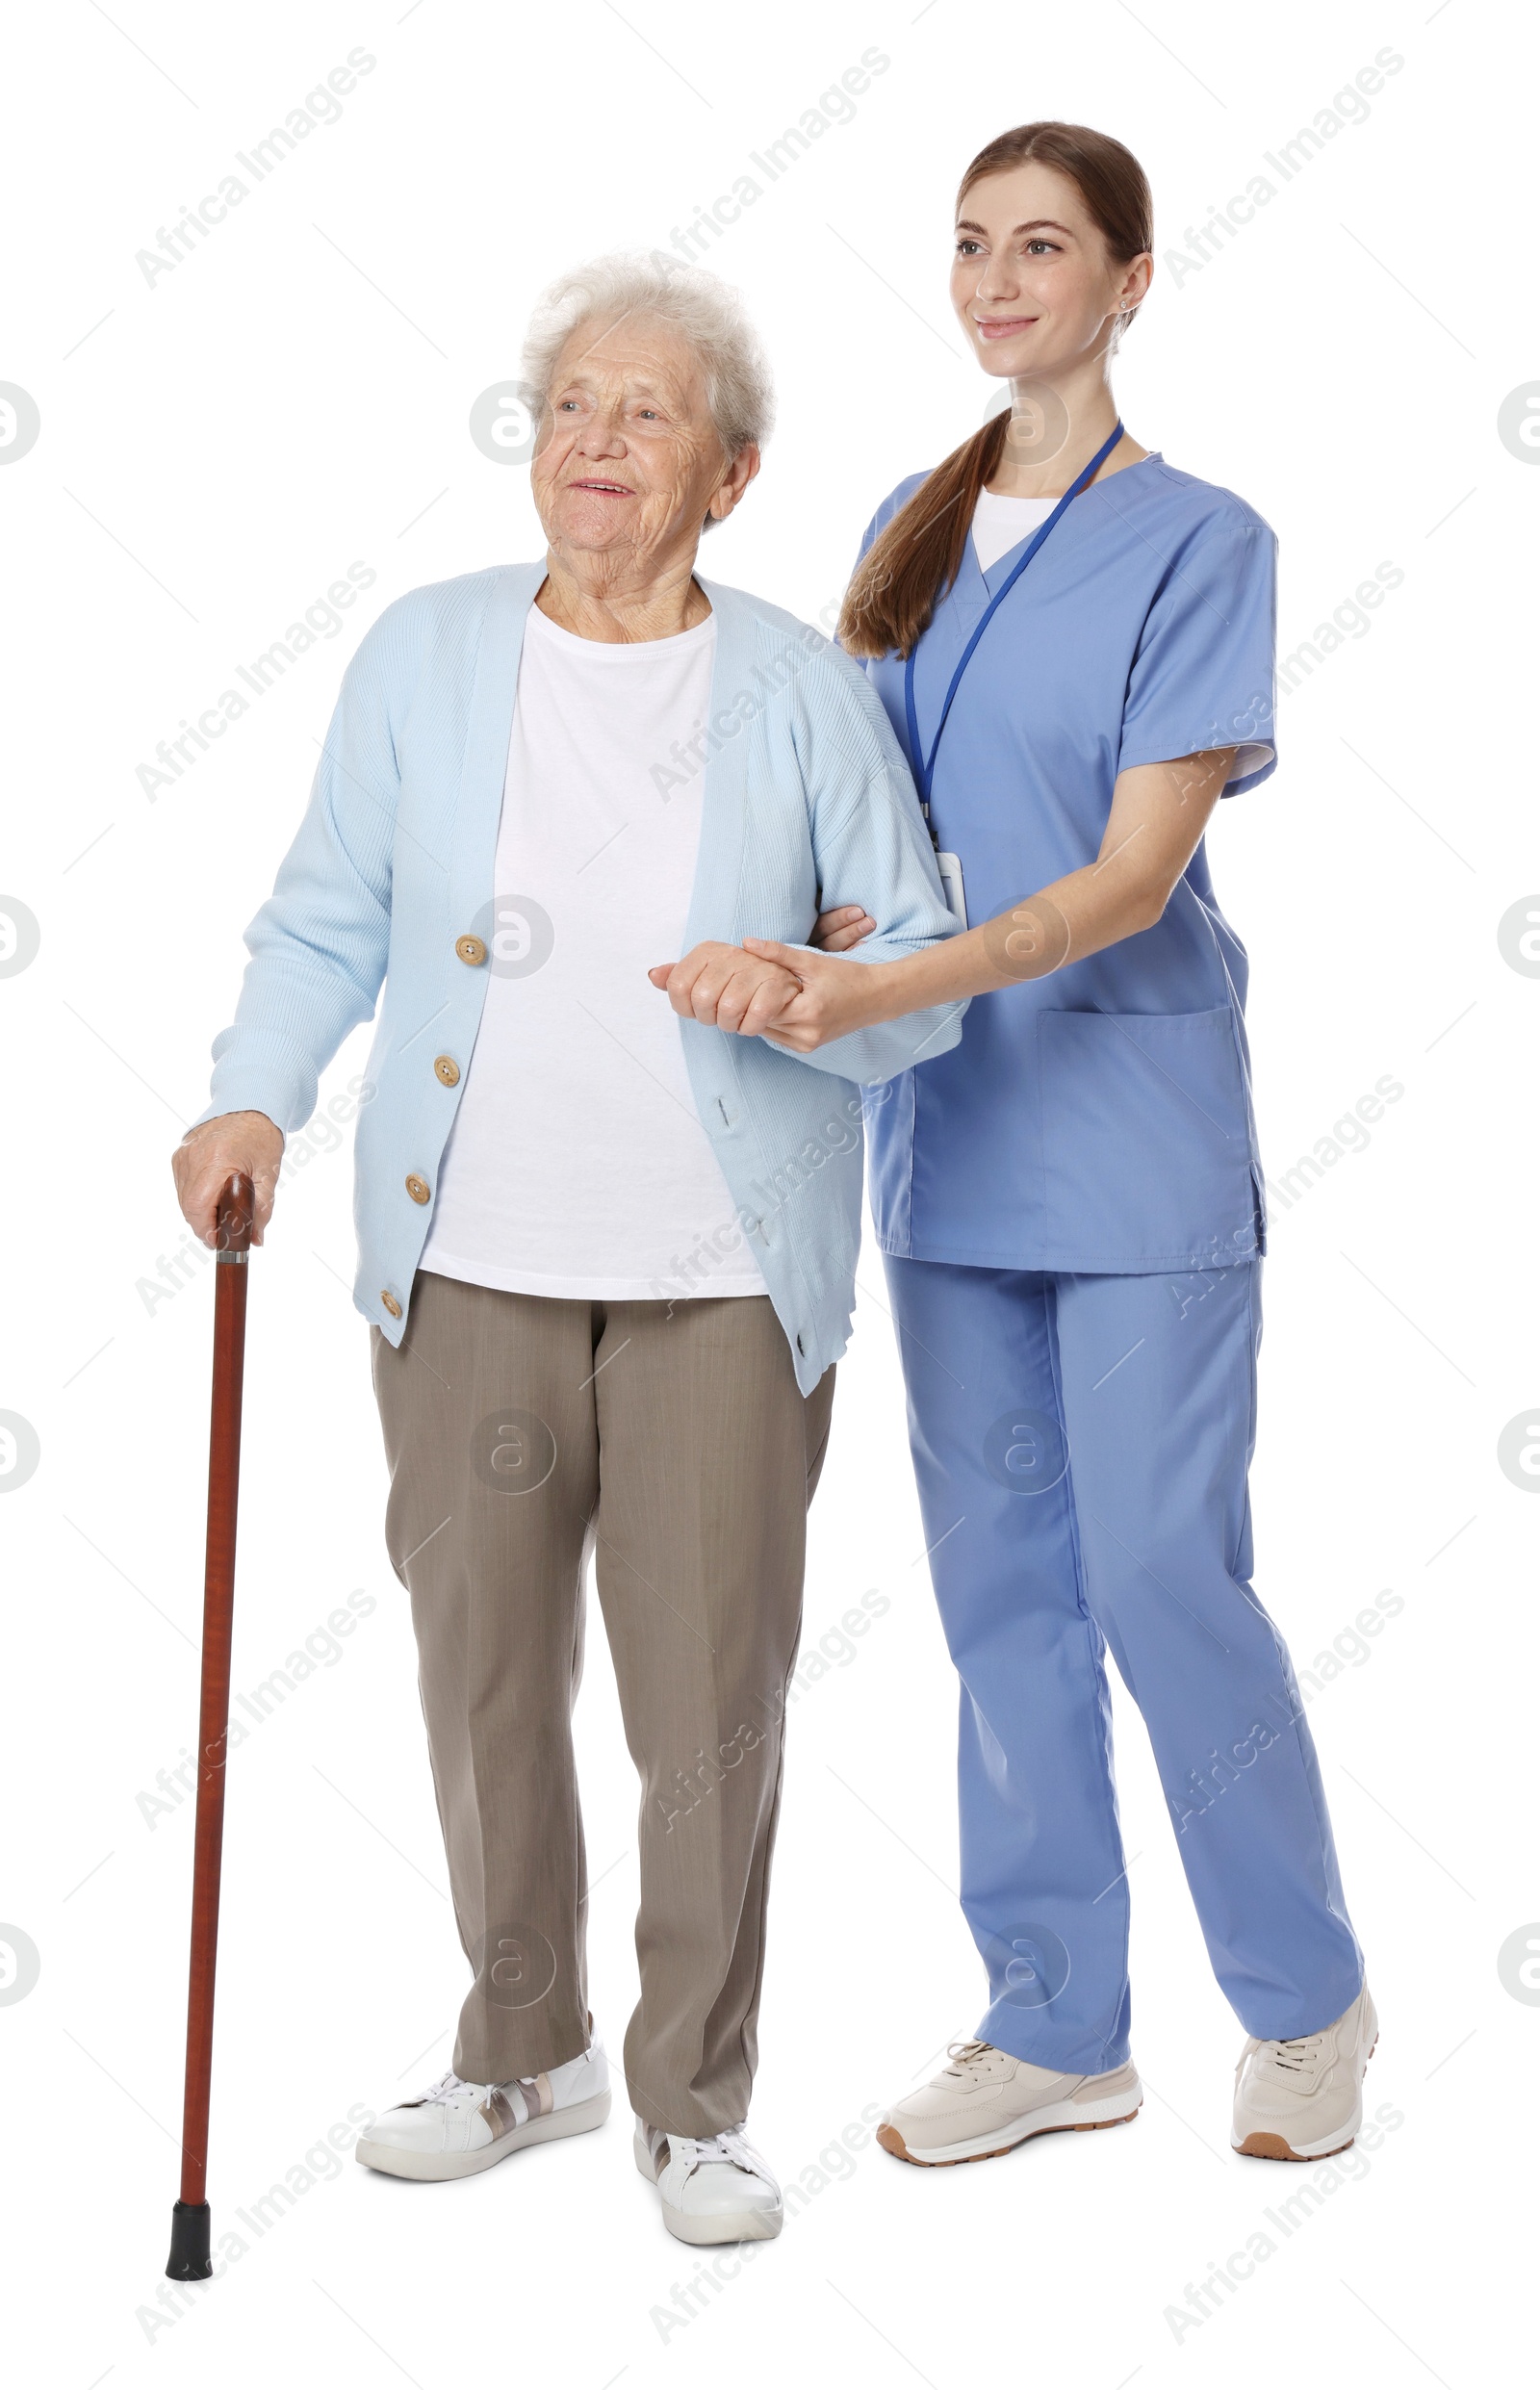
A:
x: 1099, y: 1118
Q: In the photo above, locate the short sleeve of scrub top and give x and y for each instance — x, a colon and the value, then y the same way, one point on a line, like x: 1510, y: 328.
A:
x: 1100, y: 1118
x: 1202, y: 676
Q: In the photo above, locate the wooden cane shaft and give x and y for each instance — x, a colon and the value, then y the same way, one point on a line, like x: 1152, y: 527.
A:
x: 213, y: 1711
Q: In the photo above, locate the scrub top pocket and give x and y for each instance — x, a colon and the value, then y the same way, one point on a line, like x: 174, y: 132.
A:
x: 1147, y: 1156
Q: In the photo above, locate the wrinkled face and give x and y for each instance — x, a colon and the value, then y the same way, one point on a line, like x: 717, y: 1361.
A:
x: 629, y: 462
x: 1032, y: 282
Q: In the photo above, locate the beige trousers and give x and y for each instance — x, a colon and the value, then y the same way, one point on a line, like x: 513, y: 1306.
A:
x: 672, y: 1441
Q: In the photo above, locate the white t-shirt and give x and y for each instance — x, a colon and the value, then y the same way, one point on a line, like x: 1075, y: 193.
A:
x: 578, y: 1164
x: 999, y: 523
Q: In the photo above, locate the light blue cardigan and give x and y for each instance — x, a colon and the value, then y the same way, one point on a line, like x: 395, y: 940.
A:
x: 807, y: 795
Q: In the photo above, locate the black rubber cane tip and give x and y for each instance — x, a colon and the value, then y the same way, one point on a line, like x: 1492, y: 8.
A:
x: 189, y: 2261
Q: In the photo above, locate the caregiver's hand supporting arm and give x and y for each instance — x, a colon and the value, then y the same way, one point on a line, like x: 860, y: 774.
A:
x: 843, y: 927
x: 1159, y: 813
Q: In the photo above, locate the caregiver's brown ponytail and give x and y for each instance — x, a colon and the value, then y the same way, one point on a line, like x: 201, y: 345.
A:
x: 915, y: 558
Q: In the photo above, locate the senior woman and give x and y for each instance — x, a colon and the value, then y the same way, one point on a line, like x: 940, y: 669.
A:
x: 609, y: 1258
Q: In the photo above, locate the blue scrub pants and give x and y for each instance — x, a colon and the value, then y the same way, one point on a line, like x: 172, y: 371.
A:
x: 1081, y: 1444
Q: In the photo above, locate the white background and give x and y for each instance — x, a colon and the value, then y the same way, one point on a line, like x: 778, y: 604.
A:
x: 215, y: 451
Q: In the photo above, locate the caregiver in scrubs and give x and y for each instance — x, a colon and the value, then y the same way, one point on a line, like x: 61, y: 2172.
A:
x: 1073, y: 640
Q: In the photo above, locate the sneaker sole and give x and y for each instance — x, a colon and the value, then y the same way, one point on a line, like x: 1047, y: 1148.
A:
x: 749, y: 2223
x: 1063, y: 2117
x: 454, y: 2165
x: 1274, y: 2145
x: 742, y: 2224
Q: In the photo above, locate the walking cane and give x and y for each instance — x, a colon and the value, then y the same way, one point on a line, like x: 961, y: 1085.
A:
x: 190, y: 2260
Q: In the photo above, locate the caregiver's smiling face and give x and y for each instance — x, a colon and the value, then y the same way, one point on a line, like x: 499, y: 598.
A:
x: 630, y: 462
x: 1032, y: 282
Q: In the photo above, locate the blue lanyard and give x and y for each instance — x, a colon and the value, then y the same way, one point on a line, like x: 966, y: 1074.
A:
x: 924, y: 764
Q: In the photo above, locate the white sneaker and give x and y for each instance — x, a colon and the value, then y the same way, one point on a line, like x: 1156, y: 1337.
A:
x: 1304, y: 2099
x: 459, y: 2128
x: 986, y: 2102
x: 712, y: 2190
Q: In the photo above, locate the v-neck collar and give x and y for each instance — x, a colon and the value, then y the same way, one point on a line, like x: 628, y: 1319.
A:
x: 981, y: 585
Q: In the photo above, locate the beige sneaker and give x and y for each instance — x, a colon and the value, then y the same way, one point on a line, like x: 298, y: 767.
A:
x: 986, y: 2101
x: 1304, y: 2099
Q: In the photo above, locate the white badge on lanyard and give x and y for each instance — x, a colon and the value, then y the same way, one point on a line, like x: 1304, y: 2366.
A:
x: 950, y: 868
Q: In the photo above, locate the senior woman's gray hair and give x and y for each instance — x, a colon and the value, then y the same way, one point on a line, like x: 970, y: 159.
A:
x: 704, y: 311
